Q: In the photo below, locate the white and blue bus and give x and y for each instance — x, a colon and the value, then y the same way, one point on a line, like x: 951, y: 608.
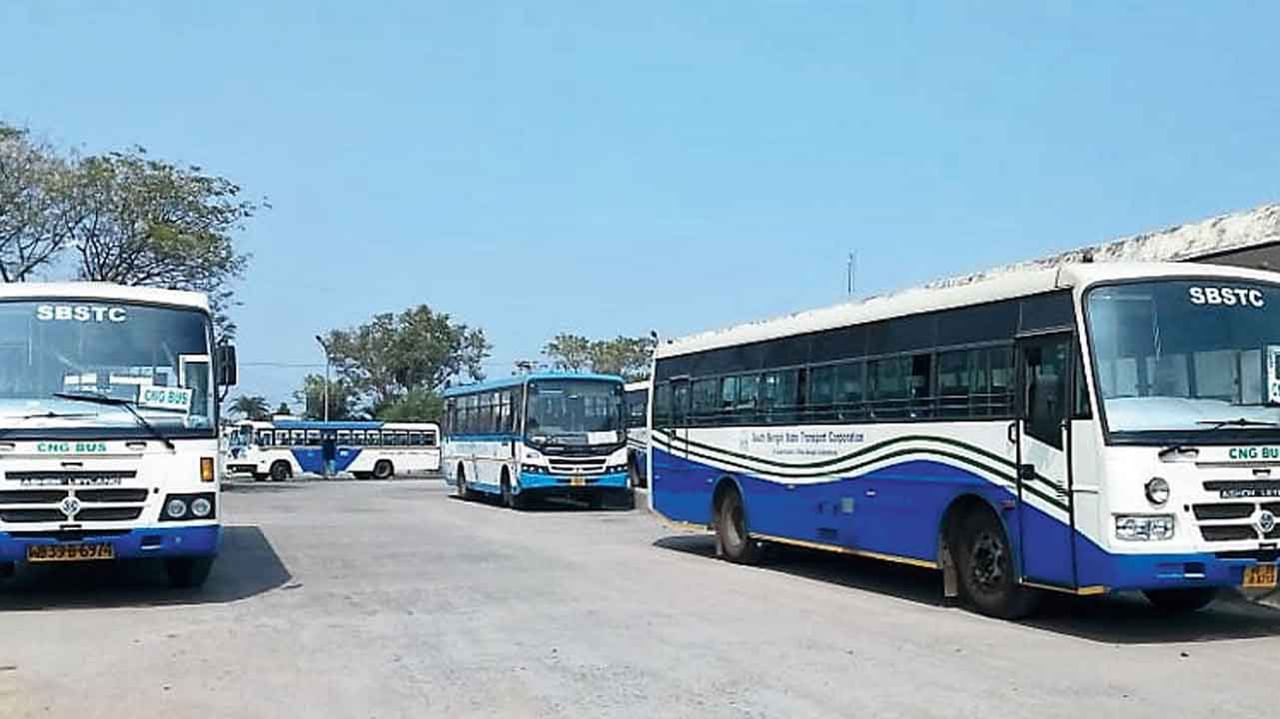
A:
x: 637, y: 398
x: 109, y: 427
x: 538, y: 435
x: 1085, y: 429
x: 287, y: 448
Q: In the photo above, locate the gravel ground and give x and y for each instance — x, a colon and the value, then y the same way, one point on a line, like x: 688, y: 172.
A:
x: 368, y: 599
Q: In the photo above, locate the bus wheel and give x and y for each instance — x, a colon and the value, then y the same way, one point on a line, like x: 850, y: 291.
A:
x: 383, y: 469
x: 280, y: 471
x: 734, y: 541
x: 985, y: 564
x: 509, y: 498
x: 1181, y: 601
x: 188, y: 572
x: 633, y: 473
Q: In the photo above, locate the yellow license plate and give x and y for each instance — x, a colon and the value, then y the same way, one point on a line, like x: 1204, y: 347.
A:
x: 1260, y: 576
x: 70, y: 552
x: 577, y: 481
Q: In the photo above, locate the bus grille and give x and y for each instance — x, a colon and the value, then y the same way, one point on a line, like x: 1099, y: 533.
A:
x: 1227, y: 532
x: 575, y: 465
x: 27, y: 506
x: 76, y: 478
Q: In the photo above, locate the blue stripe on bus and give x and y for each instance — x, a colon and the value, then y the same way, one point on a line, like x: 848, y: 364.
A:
x: 311, y: 459
x: 200, y: 541
x: 536, y: 480
x: 905, y: 519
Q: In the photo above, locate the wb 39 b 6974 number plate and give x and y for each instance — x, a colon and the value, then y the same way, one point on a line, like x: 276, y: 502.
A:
x: 1260, y: 576
x: 70, y: 552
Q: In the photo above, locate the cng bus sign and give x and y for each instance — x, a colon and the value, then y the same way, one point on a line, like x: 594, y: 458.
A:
x: 172, y: 398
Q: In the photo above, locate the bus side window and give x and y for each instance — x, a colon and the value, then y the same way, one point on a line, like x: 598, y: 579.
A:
x: 431, y: 439
x: 416, y: 439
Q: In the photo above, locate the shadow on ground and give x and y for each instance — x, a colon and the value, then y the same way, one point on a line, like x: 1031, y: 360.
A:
x: 246, y: 567
x: 1116, y: 619
x: 550, y: 504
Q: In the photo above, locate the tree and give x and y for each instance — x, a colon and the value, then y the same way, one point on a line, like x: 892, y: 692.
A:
x: 36, y: 214
x: 284, y: 410
x: 625, y: 356
x: 251, y: 407
x: 417, y: 405
x: 392, y: 355
x: 342, y: 400
x: 142, y: 221
x: 568, y: 352
x: 629, y: 357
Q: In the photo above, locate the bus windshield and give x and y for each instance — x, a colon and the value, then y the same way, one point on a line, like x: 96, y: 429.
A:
x: 154, y: 359
x: 1187, y: 356
x: 574, y: 411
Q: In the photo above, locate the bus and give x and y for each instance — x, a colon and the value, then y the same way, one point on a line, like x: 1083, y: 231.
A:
x: 109, y: 427
x: 1085, y: 429
x: 637, y: 399
x: 285, y: 448
x: 538, y: 435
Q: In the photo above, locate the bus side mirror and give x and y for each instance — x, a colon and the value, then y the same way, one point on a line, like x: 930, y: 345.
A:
x: 225, y: 361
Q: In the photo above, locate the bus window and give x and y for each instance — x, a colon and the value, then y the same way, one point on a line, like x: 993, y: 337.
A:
x: 298, y: 438
x: 402, y: 438
x: 313, y: 437
x: 344, y: 437
x: 431, y: 439
x: 415, y: 439
x: 374, y: 438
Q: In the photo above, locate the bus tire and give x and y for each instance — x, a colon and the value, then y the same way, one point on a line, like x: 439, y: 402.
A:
x: 280, y: 471
x: 188, y: 572
x: 460, y: 483
x: 988, y: 577
x: 510, y: 498
x: 633, y: 472
x: 733, y: 539
x: 1181, y: 601
x: 361, y: 475
x: 383, y: 469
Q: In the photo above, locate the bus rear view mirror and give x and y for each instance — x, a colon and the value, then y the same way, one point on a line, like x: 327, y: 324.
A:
x: 1271, y: 368
x: 225, y: 361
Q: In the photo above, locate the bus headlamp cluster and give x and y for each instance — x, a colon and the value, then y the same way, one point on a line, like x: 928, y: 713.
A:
x: 1144, y: 528
x: 189, y: 507
x: 535, y: 469
x: 615, y: 468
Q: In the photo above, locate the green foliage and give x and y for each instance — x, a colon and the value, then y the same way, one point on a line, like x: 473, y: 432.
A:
x: 150, y: 222
x: 391, y: 356
x: 342, y: 400
x: 625, y: 356
x: 251, y: 407
x: 417, y: 405
x: 37, y: 214
x: 284, y: 409
x: 571, y: 353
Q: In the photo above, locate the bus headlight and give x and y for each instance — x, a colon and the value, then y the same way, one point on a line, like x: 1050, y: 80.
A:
x: 201, y: 507
x: 615, y: 468
x: 1144, y: 528
x: 1157, y: 491
x: 533, y: 469
x: 175, y: 508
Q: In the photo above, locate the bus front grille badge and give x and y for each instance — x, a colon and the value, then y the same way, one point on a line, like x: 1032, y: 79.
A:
x: 1266, y: 522
x: 70, y: 507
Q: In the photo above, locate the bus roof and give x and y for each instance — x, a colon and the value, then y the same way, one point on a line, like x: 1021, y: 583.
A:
x: 517, y: 380
x: 319, y: 424
x: 641, y: 386
x: 971, y: 290
x: 103, y: 291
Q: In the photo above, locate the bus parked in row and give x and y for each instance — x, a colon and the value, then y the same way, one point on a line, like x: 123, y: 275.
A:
x: 637, y: 398
x: 287, y: 448
x: 538, y: 435
x: 109, y: 427
x: 1085, y: 429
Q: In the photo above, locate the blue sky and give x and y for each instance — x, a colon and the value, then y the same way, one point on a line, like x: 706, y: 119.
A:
x: 611, y: 168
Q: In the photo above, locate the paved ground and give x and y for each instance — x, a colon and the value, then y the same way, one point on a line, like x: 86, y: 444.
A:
x: 364, y: 599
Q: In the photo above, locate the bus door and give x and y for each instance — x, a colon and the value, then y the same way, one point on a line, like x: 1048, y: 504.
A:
x: 671, y: 422
x: 1046, y: 523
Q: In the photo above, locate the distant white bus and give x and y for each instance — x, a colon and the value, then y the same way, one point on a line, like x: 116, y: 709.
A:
x: 283, y: 449
x: 637, y: 408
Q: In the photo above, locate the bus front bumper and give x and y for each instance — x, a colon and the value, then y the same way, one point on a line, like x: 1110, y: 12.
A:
x: 202, y: 541
x: 1121, y: 572
x: 549, y: 484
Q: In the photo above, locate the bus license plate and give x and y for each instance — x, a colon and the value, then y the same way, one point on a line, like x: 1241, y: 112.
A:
x: 1260, y: 576
x: 70, y: 552
x: 577, y: 481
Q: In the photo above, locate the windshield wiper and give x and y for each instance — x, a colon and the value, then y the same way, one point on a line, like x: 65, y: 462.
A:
x: 1214, y: 425
x: 1238, y: 422
x: 99, y: 398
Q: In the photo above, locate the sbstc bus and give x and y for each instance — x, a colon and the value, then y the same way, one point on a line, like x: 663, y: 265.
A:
x: 1086, y: 429
x: 286, y: 448
x: 109, y: 427
x: 538, y: 435
x: 637, y: 398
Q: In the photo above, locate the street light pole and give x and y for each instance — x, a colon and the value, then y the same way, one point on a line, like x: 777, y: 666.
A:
x: 325, y: 347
